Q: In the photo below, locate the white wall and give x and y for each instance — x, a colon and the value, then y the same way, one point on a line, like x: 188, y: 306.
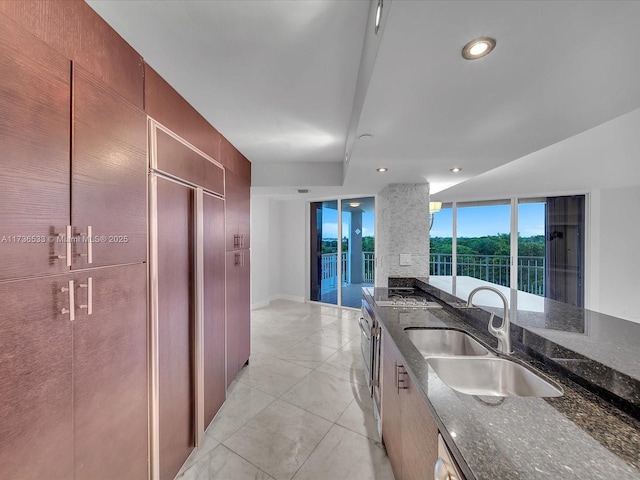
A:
x: 293, y: 228
x: 616, y: 259
x: 278, y: 249
x: 260, y: 258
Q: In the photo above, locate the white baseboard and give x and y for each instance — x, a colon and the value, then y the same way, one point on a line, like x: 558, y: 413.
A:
x: 264, y: 303
x: 291, y: 298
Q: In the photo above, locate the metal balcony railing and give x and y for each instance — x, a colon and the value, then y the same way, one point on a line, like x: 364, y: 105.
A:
x: 330, y: 269
x: 492, y: 268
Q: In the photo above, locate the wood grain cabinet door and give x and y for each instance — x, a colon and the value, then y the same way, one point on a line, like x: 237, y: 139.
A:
x: 420, y: 435
x: 244, y: 309
x: 392, y: 434
x: 36, y: 440
x: 35, y: 106
x: 214, y: 307
x: 175, y: 326
x: 110, y: 374
x: 233, y: 314
x: 109, y: 175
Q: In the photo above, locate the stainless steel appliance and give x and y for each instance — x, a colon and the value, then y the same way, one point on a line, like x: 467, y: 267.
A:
x: 445, y: 467
x: 370, y: 346
x: 403, y: 297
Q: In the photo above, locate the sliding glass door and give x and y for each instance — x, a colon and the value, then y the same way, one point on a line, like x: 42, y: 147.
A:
x: 339, y: 269
x: 476, y: 242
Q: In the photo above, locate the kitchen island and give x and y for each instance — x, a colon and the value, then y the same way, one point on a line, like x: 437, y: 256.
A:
x: 577, y: 435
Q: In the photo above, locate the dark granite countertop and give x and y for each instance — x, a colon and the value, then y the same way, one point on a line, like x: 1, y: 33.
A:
x: 575, y: 436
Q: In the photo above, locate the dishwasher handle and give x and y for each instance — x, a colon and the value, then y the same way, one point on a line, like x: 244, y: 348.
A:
x: 364, y: 330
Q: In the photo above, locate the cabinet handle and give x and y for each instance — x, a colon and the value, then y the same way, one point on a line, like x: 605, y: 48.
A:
x: 67, y: 240
x: 89, y: 287
x: 89, y: 242
x: 72, y: 308
x: 398, y: 380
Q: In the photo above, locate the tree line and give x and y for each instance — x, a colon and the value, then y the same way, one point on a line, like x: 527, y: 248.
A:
x: 499, y: 244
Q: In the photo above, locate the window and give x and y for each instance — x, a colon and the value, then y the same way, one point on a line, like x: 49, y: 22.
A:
x: 472, y: 242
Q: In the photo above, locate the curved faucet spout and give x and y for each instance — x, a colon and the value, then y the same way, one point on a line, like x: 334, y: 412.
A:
x: 503, y: 332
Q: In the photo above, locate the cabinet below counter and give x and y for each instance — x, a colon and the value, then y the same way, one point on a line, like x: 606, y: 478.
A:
x: 577, y: 435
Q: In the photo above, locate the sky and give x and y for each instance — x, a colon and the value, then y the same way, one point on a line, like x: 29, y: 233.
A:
x: 472, y: 221
x: 490, y: 220
x: 330, y: 224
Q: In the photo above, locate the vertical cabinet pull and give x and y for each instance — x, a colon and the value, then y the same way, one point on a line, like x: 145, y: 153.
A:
x: 66, y: 237
x: 89, y: 241
x: 89, y: 287
x: 72, y: 307
x: 400, y: 383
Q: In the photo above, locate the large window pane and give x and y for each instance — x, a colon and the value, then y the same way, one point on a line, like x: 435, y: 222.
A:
x: 358, y: 261
x: 484, y: 242
x: 531, y: 246
x: 324, y: 252
x: 441, y: 242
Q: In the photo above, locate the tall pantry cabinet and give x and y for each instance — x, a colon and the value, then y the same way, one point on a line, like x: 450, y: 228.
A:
x: 91, y: 385
x: 73, y: 361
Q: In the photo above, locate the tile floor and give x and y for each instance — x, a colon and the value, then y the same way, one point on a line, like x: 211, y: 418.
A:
x: 300, y: 410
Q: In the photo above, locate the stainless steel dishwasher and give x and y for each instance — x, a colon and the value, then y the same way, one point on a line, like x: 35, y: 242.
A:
x: 446, y: 468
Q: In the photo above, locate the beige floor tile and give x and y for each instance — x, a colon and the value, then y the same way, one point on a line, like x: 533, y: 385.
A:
x: 279, y: 439
x: 345, y: 325
x: 331, y: 338
x: 208, y: 445
x: 346, y: 454
x: 323, y: 394
x: 272, y: 380
x: 222, y: 464
x: 307, y: 354
x: 243, y: 403
x: 359, y: 418
x: 346, y: 367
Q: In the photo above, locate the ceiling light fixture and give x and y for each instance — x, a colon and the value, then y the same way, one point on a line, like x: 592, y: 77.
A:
x: 378, y: 16
x: 354, y: 204
x: 382, y: 169
x: 455, y: 169
x: 478, y: 48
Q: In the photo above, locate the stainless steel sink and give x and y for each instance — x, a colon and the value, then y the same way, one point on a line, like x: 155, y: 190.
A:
x: 492, y: 376
x: 432, y: 342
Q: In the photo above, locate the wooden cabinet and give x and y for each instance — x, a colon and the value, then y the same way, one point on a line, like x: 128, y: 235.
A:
x: 36, y: 408
x: 238, y: 312
x: 34, y: 125
x: 110, y: 394
x: 237, y: 211
x: 175, y: 325
x: 99, y: 182
x: 238, y: 207
x: 109, y: 176
x: 408, y: 430
x: 74, y: 393
x: 214, y: 306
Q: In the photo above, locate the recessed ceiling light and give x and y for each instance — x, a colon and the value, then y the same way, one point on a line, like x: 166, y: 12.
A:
x: 365, y: 136
x: 478, y: 48
x: 382, y: 169
x: 354, y: 204
x: 455, y: 169
x: 378, y: 16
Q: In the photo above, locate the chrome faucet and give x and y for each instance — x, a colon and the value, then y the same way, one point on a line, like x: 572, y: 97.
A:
x: 503, y: 332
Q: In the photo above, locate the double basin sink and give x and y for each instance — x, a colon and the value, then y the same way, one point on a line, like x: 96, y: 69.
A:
x: 467, y: 366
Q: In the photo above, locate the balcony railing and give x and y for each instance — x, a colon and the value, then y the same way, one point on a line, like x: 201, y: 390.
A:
x: 330, y: 269
x: 493, y: 268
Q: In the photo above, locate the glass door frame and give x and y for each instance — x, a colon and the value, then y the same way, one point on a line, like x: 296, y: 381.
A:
x: 339, y: 199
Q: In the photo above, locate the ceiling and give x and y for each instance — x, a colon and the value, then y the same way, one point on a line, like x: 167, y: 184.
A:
x: 292, y: 84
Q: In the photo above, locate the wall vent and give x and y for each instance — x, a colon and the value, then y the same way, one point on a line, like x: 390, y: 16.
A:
x: 303, y: 190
